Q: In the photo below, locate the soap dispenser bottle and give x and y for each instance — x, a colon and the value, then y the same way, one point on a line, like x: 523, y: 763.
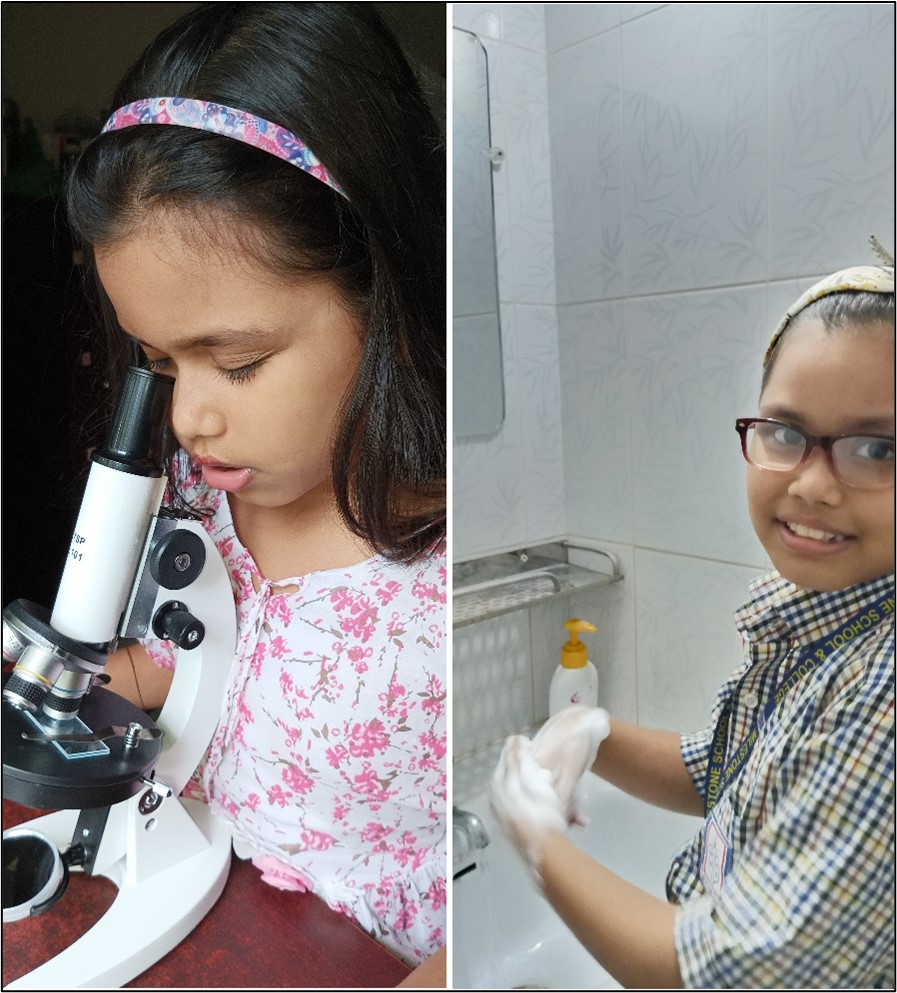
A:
x: 576, y: 679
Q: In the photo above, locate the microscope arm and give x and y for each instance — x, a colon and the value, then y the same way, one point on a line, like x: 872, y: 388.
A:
x: 168, y: 856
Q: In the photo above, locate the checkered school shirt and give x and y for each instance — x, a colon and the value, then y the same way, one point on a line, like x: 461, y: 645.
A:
x: 809, y: 899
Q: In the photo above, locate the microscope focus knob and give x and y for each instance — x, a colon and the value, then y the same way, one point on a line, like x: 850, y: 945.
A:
x: 173, y: 622
x: 177, y: 559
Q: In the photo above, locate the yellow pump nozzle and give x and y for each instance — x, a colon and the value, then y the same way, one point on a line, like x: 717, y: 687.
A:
x: 573, y: 653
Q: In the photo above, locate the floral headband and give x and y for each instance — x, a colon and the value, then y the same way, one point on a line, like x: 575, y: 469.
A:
x: 868, y: 278
x: 218, y: 119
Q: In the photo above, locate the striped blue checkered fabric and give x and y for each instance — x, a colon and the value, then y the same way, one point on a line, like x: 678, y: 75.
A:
x: 809, y: 900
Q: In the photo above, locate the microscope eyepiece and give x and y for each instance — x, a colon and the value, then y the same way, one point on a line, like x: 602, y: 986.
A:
x: 135, y: 438
x: 124, y: 491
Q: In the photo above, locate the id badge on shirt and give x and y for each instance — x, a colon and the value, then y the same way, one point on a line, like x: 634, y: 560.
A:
x: 717, y: 858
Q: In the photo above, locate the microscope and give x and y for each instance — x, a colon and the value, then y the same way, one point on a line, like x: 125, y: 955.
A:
x: 110, y: 774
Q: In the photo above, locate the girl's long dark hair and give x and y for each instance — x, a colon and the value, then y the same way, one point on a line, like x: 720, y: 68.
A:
x: 334, y: 75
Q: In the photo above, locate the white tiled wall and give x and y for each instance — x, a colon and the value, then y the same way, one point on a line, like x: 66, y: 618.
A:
x: 707, y: 163
x: 831, y: 127
x: 694, y: 146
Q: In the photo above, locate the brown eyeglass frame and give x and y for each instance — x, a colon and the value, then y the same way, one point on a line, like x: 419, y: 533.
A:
x: 825, y: 442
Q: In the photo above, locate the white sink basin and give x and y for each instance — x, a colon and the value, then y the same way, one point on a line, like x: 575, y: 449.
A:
x: 506, y: 936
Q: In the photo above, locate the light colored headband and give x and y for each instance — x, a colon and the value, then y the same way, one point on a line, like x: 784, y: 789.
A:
x: 227, y: 122
x: 868, y: 278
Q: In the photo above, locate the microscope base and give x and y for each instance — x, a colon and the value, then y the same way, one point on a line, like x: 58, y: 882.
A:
x: 156, y: 907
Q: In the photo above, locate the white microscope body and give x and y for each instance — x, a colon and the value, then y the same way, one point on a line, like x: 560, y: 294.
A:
x: 131, y: 570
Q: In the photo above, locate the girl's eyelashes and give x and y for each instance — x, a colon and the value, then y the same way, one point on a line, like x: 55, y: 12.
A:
x: 241, y: 374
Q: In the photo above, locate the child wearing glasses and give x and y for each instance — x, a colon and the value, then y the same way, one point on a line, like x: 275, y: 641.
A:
x: 789, y: 883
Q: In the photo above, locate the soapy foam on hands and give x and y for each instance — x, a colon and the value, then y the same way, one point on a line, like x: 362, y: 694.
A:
x: 567, y: 745
x: 523, y: 797
x: 535, y: 786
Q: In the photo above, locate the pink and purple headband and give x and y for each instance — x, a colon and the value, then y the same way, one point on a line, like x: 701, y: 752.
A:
x: 218, y: 119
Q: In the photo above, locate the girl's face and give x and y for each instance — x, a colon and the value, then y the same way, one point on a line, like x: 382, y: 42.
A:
x: 261, y: 364
x: 827, y: 384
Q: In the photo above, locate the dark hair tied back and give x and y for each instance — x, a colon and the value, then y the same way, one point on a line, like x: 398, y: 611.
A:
x: 857, y: 309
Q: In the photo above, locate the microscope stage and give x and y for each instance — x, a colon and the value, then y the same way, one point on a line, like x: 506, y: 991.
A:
x: 37, y: 774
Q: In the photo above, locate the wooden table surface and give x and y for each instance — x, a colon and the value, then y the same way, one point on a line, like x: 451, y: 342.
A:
x: 254, y: 936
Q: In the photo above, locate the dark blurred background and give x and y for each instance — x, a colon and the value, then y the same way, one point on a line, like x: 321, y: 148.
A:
x: 60, y: 64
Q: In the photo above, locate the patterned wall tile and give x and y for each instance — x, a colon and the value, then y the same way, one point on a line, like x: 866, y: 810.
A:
x: 686, y: 636
x: 587, y: 169
x: 524, y: 101
x: 631, y: 11
x: 597, y: 445
x: 831, y: 134
x: 695, y: 363
x: 523, y: 24
x: 569, y: 23
x: 695, y: 142
x: 541, y: 421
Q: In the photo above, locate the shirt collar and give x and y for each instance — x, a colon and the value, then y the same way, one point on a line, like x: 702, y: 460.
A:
x: 779, y: 609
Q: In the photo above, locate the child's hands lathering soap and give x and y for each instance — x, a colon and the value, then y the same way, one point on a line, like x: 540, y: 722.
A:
x: 567, y: 745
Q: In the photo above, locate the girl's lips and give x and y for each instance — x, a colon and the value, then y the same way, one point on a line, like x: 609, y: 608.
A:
x: 806, y: 545
x: 227, y: 478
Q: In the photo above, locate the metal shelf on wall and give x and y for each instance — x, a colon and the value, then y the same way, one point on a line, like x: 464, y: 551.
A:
x: 507, y: 581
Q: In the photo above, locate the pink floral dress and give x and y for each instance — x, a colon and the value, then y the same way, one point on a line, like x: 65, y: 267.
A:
x: 330, y: 758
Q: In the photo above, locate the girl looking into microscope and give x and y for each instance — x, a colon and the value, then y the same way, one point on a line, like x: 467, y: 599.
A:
x: 264, y: 216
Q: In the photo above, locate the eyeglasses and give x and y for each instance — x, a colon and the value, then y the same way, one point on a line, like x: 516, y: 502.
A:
x: 864, y: 461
